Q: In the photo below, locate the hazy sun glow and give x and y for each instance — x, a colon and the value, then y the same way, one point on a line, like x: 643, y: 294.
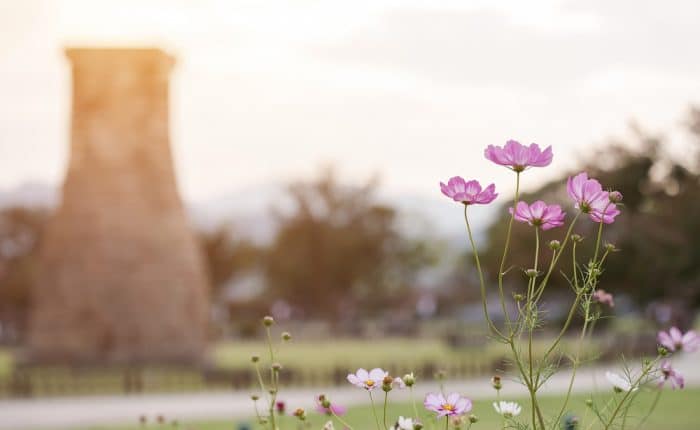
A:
x: 267, y: 92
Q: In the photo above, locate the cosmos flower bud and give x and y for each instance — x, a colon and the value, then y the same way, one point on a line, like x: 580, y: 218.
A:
x: 300, y: 413
x: 262, y: 421
x: 457, y: 422
x: 615, y: 197
x: 286, y: 336
x: 276, y: 367
x: 272, y: 391
x: 387, y: 383
x: 440, y: 375
x: 255, y: 359
x: 518, y: 297
x: 577, y: 238
x: 254, y: 397
x: 281, y: 407
x: 610, y: 247
x: 663, y: 351
x: 323, y: 400
x: 554, y: 245
x: 409, y: 379
x: 496, y: 382
x: 417, y: 426
x: 268, y: 321
x: 473, y: 418
x: 589, y: 402
x: 531, y: 273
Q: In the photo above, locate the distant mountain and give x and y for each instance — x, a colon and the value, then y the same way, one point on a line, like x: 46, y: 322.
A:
x: 249, y: 211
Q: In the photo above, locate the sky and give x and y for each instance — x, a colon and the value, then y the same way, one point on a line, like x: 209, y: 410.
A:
x: 265, y: 92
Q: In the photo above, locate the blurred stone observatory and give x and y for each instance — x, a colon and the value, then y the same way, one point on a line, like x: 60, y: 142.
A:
x: 121, y: 277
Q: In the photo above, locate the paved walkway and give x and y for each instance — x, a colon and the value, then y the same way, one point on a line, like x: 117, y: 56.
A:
x: 78, y: 412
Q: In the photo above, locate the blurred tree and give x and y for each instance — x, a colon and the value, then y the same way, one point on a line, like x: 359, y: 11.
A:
x: 20, y: 233
x: 228, y: 256
x: 338, y: 254
x: 658, y: 230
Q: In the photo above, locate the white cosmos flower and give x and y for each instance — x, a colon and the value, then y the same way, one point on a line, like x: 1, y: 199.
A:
x: 403, y: 424
x: 507, y: 409
x: 619, y: 383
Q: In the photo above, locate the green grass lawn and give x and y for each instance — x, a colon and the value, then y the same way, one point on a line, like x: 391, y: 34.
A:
x: 675, y: 411
x: 354, y: 353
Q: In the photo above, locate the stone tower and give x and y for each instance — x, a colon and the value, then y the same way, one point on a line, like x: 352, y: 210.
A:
x: 121, y: 277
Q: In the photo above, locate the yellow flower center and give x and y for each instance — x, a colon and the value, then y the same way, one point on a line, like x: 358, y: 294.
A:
x: 369, y: 383
x: 448, y: 407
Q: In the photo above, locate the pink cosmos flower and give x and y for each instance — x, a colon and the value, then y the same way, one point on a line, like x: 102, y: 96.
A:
x: 668, y: 373
x: 590, y: 198
x: 468, y: 192
x: 368, y: 380
x: 539, y: 214
x: 519, y: 157
x: 603, y: 297
x: 454, y: 404
x: 674, y: 340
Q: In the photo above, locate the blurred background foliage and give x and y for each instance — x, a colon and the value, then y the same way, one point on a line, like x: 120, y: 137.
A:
x: 339, y: 255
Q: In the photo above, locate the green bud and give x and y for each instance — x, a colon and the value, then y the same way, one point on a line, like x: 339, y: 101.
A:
x: 577, y: 238
x: 417, y: 426
x: 589, y: 402
x: 531, y: 273
x: 409, y: 379
x: 473, y: 418
x: 276, y: 367
x: 286, y: 336
x: 663, y: 351
x: 268, y: 321
x: 255, y: 359
x: 300, y: 413
x: 386, y: 383
x: 255, y: 397
x: 496, y: 382
x: 554, y: 245
x: 610, y: 247
x: 518, y: 297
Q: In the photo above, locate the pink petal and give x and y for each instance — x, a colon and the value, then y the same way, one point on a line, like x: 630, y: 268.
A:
x: 362, y: 374
x: 377, y: 374
x: 665, y: 340
x: 537, y: 209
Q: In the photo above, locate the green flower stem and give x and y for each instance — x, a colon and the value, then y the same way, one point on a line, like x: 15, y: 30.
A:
x: 531, y: 312
x: 260, y: 379
x: 386, y: 400
x: 543, y: 284
x: 482, y: 284
x: 342, y: 421
x: 447, y: 422
x: 273, y: 382
x: 506, y: 247
x: 413, y: 402
x: 374, y: 410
